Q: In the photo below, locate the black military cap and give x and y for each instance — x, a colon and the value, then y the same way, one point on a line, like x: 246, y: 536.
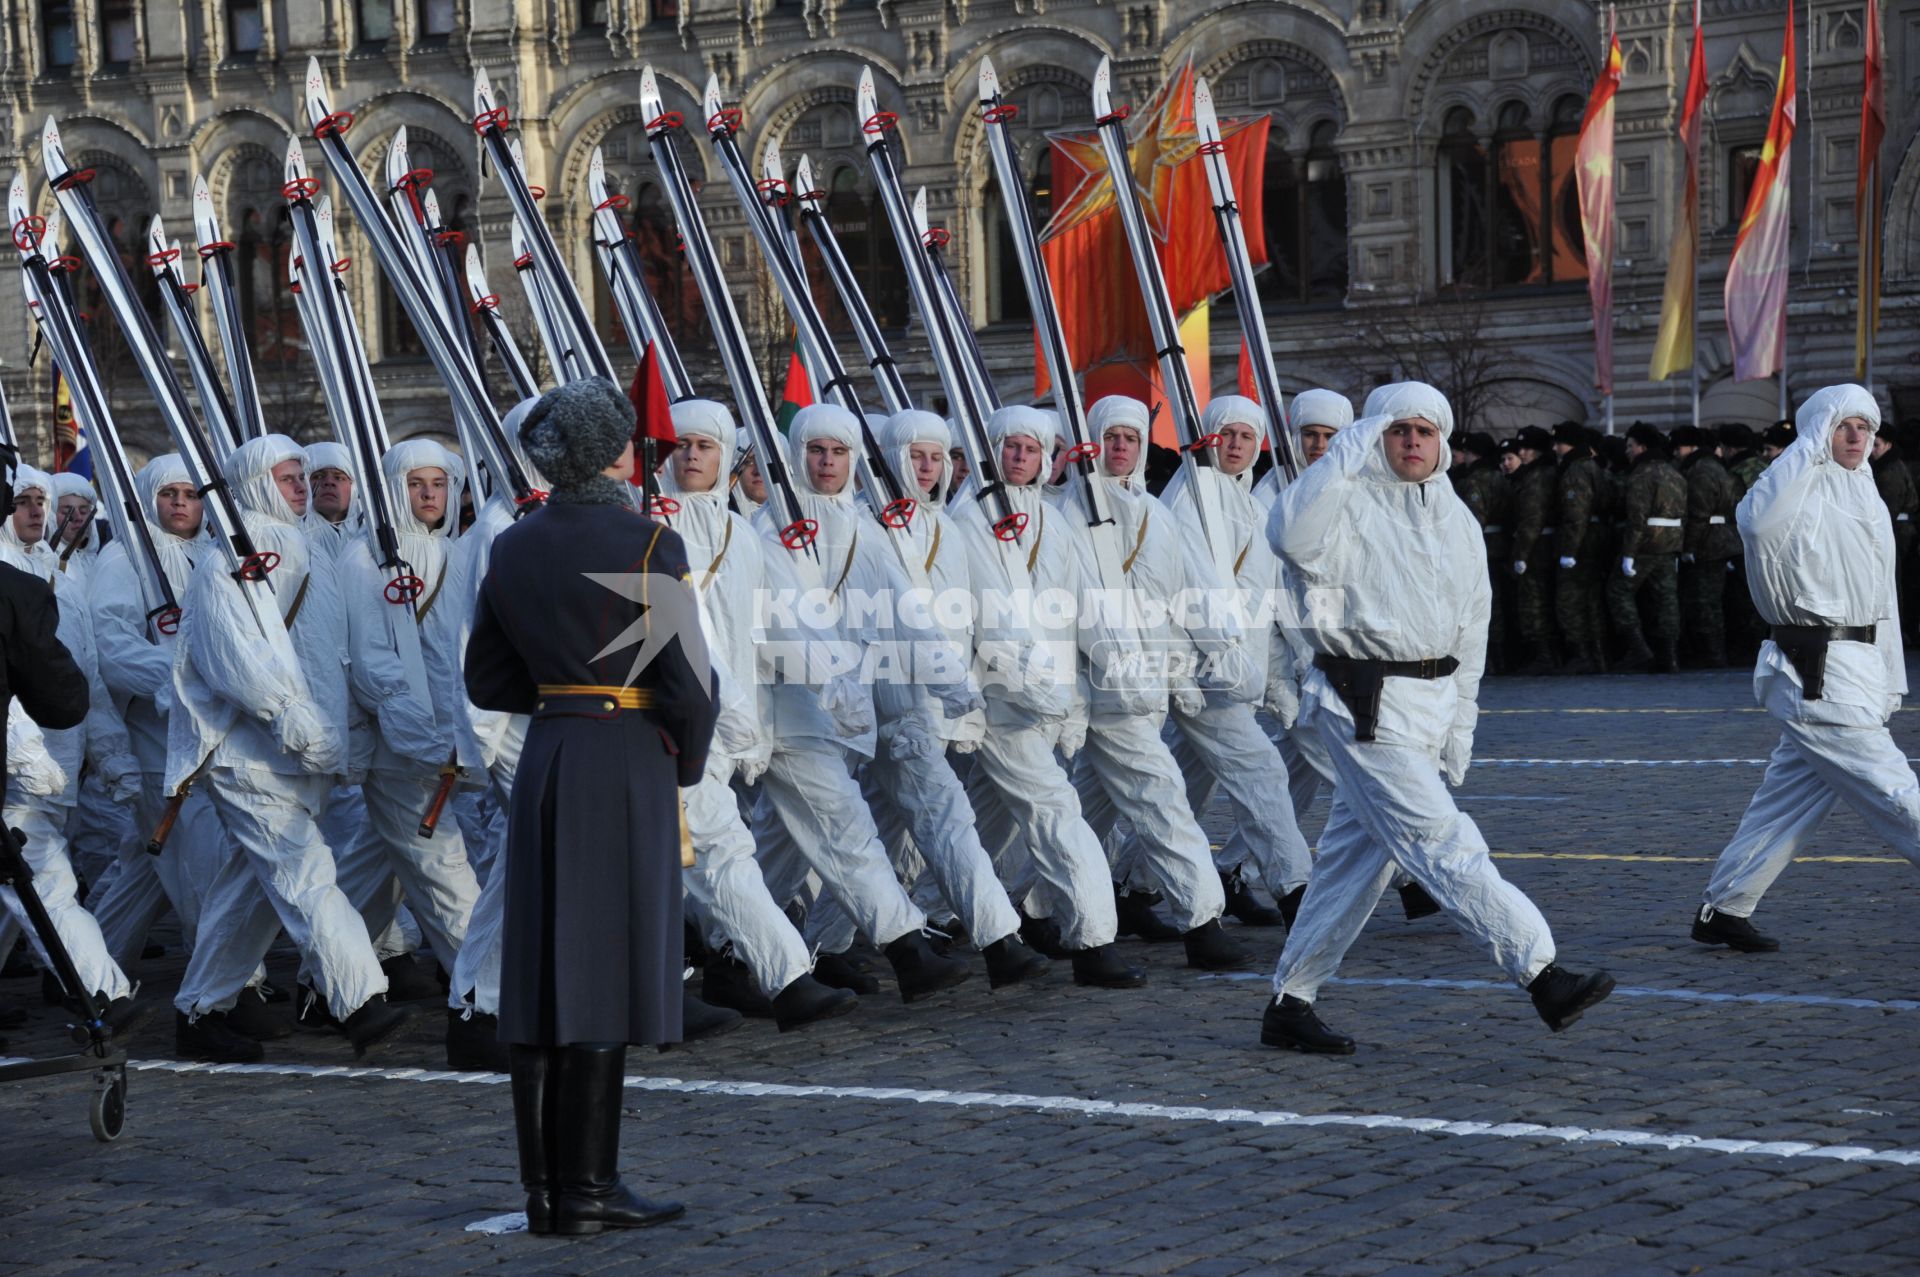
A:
x: 1736, y: 434
x: 1778, y: 435
x: 1647, y: 437
x: 1570, y: 432
x: 1534, y: 437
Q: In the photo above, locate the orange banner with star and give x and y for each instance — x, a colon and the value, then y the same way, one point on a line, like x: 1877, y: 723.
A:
x: 1085, y: 247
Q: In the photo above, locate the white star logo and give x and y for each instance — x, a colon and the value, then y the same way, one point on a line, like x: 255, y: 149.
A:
x: 669, y: 609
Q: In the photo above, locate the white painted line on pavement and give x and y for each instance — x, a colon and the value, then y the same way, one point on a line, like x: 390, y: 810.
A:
x: 1506, y: 798
x: 1081, y: 1106
x: 1621, y: 991
x: 1626, y: 762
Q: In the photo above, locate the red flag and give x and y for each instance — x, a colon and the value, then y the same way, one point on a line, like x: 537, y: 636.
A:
x: 1086, y: 248
x: 1249, y: 387
x: 798, y: 393
x: 1866, y: 195
x: 1593, y: 170
x: 1674, y: 348
x: 1756, y: 287
x: 652, y: 410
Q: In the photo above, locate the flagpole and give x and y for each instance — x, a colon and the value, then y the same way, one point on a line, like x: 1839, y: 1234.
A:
x: 1694, y: 321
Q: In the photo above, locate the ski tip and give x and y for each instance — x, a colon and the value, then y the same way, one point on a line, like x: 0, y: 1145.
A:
x: 920, y: 210
x: 649, y: 92
x: 201, y: 195
x: 517, y: 236
x: 157, y: 238
x: 1103, y: 88
x: 519, y: 154
x: 50, y: 148
x: 431, y: 204
x: 323, y: 211
x: 597, y: 166
x: 482, y: 91
x: 710, y: 97
x: 868, y: 95
x: 17, y: 197
x: 476, y: 270
x: 803, y: 183
x: 1205, y: 122
x: 989, y: 81
x: 317, y: 105
x: 770, y: 162
x: 296, y: 165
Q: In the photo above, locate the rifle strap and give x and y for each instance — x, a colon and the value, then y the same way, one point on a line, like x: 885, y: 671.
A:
x: 299, y: 598
x: 1139, y: 541
x: 420, y: 614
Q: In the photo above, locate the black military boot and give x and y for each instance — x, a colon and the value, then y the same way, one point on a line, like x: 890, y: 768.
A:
x: 1043, y: 936
x: 1664, y: 659
x: 408, y: 981
x: 1291, y: 1023
x: 918, y: 970
x: 374, y: 1024
x: 704, y: 1020
x: 1560, y: 996
x: 125, y: 1016
x: 1710, y: 926
x: 1290, y: 904
x: 1010, y: 962
x: 838, y: 971
x: 1635, y: 655
x: 726, y: 982
x: 587, y: 1193
x: 1416, y: 903
x: 1102, y: 967
x: 473, y: 1043
x: 310, y: 1011
x: 211, y: 1039
x: 1210, y: 948
x: 1581, y: 662
x: 1242, y: 904
x: 530, y: 1075
x: 253, y: 1016
x: 806, y: 1000
x: 1137, y: 917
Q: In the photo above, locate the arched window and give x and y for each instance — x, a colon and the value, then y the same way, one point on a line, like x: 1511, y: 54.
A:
x: 1305, y: 201
x: 1464, y: 187
x: 1007, y: 301
x: 1510, y: 214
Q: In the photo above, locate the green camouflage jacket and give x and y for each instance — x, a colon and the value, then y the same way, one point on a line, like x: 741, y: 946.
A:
x: 1712, y: 494
x: 1654, y: 491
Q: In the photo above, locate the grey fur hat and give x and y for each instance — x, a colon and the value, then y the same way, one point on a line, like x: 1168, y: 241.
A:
x: 575, y: 431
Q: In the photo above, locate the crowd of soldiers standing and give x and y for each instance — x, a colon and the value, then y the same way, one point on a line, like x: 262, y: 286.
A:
x: 1621, y: 553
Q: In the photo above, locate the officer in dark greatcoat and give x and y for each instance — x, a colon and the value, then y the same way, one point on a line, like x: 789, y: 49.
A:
x: 574, y: 602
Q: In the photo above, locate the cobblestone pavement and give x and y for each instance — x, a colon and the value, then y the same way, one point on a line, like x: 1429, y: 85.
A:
x: 1723, y: 1113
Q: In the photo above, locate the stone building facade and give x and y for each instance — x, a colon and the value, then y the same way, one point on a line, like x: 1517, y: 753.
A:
x: 1418, y: 186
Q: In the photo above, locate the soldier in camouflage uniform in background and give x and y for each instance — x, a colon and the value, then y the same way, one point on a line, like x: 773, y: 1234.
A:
x: 1579, y: 585
x: 1709, y: 544
x: 1652, y: 518
x: 1894, y: 478
x: 1535, y: 497
x: 1740, y: 454
x: 1488, y: 495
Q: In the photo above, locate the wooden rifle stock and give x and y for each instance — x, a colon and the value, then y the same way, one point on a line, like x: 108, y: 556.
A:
x: 429, y: 822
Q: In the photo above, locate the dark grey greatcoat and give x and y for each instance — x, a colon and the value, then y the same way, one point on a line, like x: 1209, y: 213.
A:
x: 592, y: 946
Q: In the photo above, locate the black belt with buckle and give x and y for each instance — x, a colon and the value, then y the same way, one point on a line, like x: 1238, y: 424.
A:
x: 1358, y: 682
x: 1805, y: 647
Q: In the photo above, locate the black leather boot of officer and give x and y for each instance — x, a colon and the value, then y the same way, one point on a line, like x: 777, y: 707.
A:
x: 919, y: 970
x: 704, y: 1020
x: 1291, y: 1023
x: 587, y: 1193
x: 530, y: 1073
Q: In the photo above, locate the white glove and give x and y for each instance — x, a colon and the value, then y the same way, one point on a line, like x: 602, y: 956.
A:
x: 1567, y: 560
x: 1686, y: 558
x: 1073, y: 736
x: 1626, y: 567
x: 120, y: 775
x: 1519, y: 567
x: 1189, y: 700
x: 39, y: 775
x: 1283, y: 702
x: 848, y: 705
x: 958, y: 699
x: 1455, y: 755
x: 912, y: 738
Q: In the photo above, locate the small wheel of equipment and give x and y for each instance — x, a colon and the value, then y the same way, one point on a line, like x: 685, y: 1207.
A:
x: 107, y: 1113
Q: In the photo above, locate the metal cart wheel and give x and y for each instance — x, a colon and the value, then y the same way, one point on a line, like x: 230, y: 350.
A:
x: 107, y: 1114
